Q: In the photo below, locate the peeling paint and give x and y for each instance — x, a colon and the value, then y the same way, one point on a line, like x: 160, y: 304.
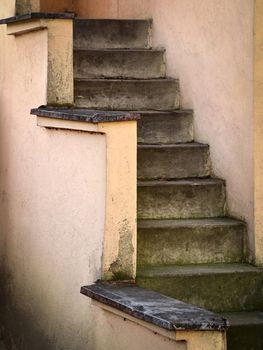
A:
x: 122, y: 267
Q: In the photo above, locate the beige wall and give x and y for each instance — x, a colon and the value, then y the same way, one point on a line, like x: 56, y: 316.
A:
x: 209, y: 47
x: 52, y: 209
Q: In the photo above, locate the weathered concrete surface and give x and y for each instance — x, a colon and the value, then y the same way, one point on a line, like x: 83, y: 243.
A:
x: 165, y: 127
x: 173, y: 161
x: 217, y: 287
x: 83, y: 115
x: 190, y: 241
x: 245, y: 330
x: 113, y: 34
x: 111, y: 94
x: 137, y: 64
x: 191, y: 198
x: 153, y: 307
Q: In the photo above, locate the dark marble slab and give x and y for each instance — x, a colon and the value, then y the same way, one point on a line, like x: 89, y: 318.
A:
x: 37, y: 15
x: 84, y: 115
x: 154, y: 308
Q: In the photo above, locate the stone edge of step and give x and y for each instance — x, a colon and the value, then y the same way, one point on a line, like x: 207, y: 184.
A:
x: 142, y: 146
x: 170, y: 271
x: 148, y: 224
x: 182, y: 182
x: 153, y: 307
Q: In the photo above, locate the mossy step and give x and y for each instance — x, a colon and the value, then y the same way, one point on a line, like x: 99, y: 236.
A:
x: 171, y: 161
x: 245, y: 331
x: 215, y: 240
x: 216, y: 287
x: 127, y: 94
x: 189, y: 198
x: 165, y: 127
x: 119, y: 63
x: 112, y: 33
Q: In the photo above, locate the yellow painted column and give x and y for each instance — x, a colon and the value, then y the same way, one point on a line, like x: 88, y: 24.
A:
x: 258, y: 129
x: 203, y: 340
x: 119, y: 251
x: 60, y: 62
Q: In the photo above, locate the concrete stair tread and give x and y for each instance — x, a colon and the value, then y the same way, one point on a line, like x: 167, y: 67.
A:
x: 127, y: 94
x: 112, y: 33
x: 175, y: 112
x: 190, y: 241
x: 221, y: 287
x: 245, y: 331
x: 167, y: 223
x: 119, y: 63
x: 116, y: 80
x: 181, y: 182
x: 193, y: 270
x: 244, y: 318
x: 126, y: 50
x: 165, y: 127
x: 172, y: 145
x: 173, y: 161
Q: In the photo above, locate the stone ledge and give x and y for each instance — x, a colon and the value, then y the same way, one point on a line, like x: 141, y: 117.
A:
x: 83, y: 115
x: 152, y: 307
x: 37, y: 15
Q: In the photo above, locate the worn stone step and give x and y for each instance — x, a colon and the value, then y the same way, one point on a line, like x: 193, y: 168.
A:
x: 171, y: 161
x: 165, y: 127
x: 116, y: 94
x: 191, y: 198
x: 128, y: 64
x: 112, y: 33
x: 198, y: 241
x: 216, y: 287
x: 245, y: 331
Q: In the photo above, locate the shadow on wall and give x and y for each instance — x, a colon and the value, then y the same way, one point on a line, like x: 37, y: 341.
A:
x: 18, y: 321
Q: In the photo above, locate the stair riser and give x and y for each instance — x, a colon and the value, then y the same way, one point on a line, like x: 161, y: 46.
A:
x: 119, y: 64
x: 127, y: 94
x: 246, y: 337
x: 173, y: 162
x: 165, y: 128
x: 191, y: 245
x: 219, y: 293
x: 94, y: 34
x: 181, y: 201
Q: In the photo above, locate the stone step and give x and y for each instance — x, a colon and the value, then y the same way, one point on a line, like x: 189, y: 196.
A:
x: 165, y: 127
x: 216, y: 287
x: 116, y: 94
x: 112, y: 33
x: 245, y: 331
x: 171, y: 161
x: 198, y: 241
x: 128, y: 64
x: 191, y: 198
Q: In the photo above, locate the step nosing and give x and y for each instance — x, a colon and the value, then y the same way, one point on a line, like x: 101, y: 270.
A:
x: 126, y: 80
x: 170, y: 271
x: 148, y: 224
x: 182, y: 182
x: 126, y: 50
x: 172, y: 145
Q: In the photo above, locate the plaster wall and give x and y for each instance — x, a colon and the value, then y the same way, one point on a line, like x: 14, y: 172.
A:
x: 52, y: 186
x: 209, y: 47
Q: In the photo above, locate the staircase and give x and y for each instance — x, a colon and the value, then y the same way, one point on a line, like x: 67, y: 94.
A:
x: 187, y: 247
